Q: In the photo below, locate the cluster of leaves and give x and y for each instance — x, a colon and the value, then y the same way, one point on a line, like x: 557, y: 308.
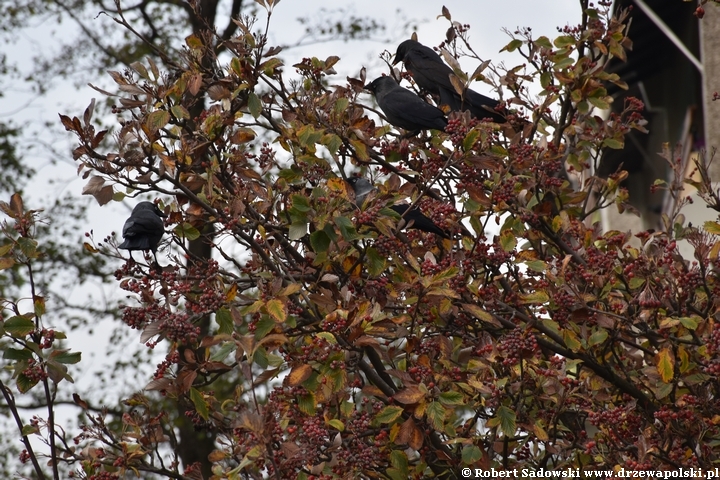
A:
x: 342, y: 347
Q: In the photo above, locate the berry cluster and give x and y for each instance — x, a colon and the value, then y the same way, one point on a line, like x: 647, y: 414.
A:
x: 35, y: 372
x: 515, y: 344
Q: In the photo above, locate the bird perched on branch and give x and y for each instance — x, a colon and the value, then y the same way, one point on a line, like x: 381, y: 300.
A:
x: 144, y: 229
x: 433, y: 75
x: 403, y: 108
x: 412, y: 217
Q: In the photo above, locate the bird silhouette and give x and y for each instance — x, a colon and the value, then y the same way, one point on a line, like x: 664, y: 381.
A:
x: 144, y: 229
x: 433, y: 75
x: 405, y: 109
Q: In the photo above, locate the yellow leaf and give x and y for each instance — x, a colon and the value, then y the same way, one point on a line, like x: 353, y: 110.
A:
x: 277, y: 309
x: 665, y: 361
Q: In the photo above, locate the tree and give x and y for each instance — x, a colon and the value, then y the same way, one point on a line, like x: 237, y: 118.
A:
x: 339, y: 346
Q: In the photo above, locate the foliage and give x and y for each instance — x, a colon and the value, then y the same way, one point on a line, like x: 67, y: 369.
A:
x: 342, y: 347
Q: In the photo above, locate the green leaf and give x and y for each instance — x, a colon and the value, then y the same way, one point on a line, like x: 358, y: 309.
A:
x: 691, y: 323
x: 436, y: 414
x: 613, y: 143
x: 319, y: 241
x: 224, y: 320
x: 187, y: 231
x: 65, y: 357
x: 222, y: 353
x: 508, y: 241
x: 600, y: 103
x: 264, y: 326
x: 306, y: 404
x: 470, y: 139
x: 30, y: 430
x: 452, y: 398
x: 543, y: 42
x: 157, y: 120
x: 24, y: 383
x: 388, y: 414
x: 506, y: 417
x: 471, y: 454
x: 297, y: 231
x: 512, y: 46
x: 17, y: 354
x: 375, y: 263
x: 564, y: 41
x: 347, y: 229
x: 201, y: 406
x: 337, y: 424
x: 19, y: 326
x: 180, y: 112
x: 598, y: 337
x: 254, y: 105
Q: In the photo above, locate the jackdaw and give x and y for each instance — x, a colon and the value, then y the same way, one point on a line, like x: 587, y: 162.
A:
x: 403, y: 108
x: 433, y: 75
x: 144, y: 229
x: 412, y: 217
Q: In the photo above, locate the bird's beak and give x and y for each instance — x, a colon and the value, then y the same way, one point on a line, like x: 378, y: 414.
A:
x: 396, y: 61
x: 367, y: 88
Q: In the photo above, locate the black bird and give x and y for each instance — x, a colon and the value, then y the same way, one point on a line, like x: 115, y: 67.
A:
x: 433, y: 75
x: 403, y: 108
x: 144, y: 229
x: 413, y: 218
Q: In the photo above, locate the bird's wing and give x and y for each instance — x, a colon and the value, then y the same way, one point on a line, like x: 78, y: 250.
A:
x: 143, y: 222
x: 405, y: 109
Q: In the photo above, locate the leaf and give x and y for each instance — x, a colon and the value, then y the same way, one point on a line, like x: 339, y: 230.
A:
x: 508, y: 241
x: 409, y: 395
x: 471, y: 454
x: 254, y: 105
x: 18, y: 326
x: 224, y: 320
x: 598, y: 337
x: 201, y: 405
x: 507, y: 417
x: 665, y: 363
x: 277, y: 309
x: 376, y: 264
x: 712, y: 227
x: 571, y: 340
x: 452, y: 398
x: 299, y: 374
x: 6, y: 262
x: 613, y: 143
x: 65, y: 357
x: 470, y: 139
x: 564, y: 41
x: 17, y: 354
x: 436, y: 414
x: 222, y: 353
x: 388, y: 414
x: 512, y: 46
x: 319, y: 241
x: 186, y: 230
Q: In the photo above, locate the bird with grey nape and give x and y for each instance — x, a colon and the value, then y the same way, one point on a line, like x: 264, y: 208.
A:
x: 403, y: 108
x: 433, y: 75
x: 412, y: 217
x: 144, y: 229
